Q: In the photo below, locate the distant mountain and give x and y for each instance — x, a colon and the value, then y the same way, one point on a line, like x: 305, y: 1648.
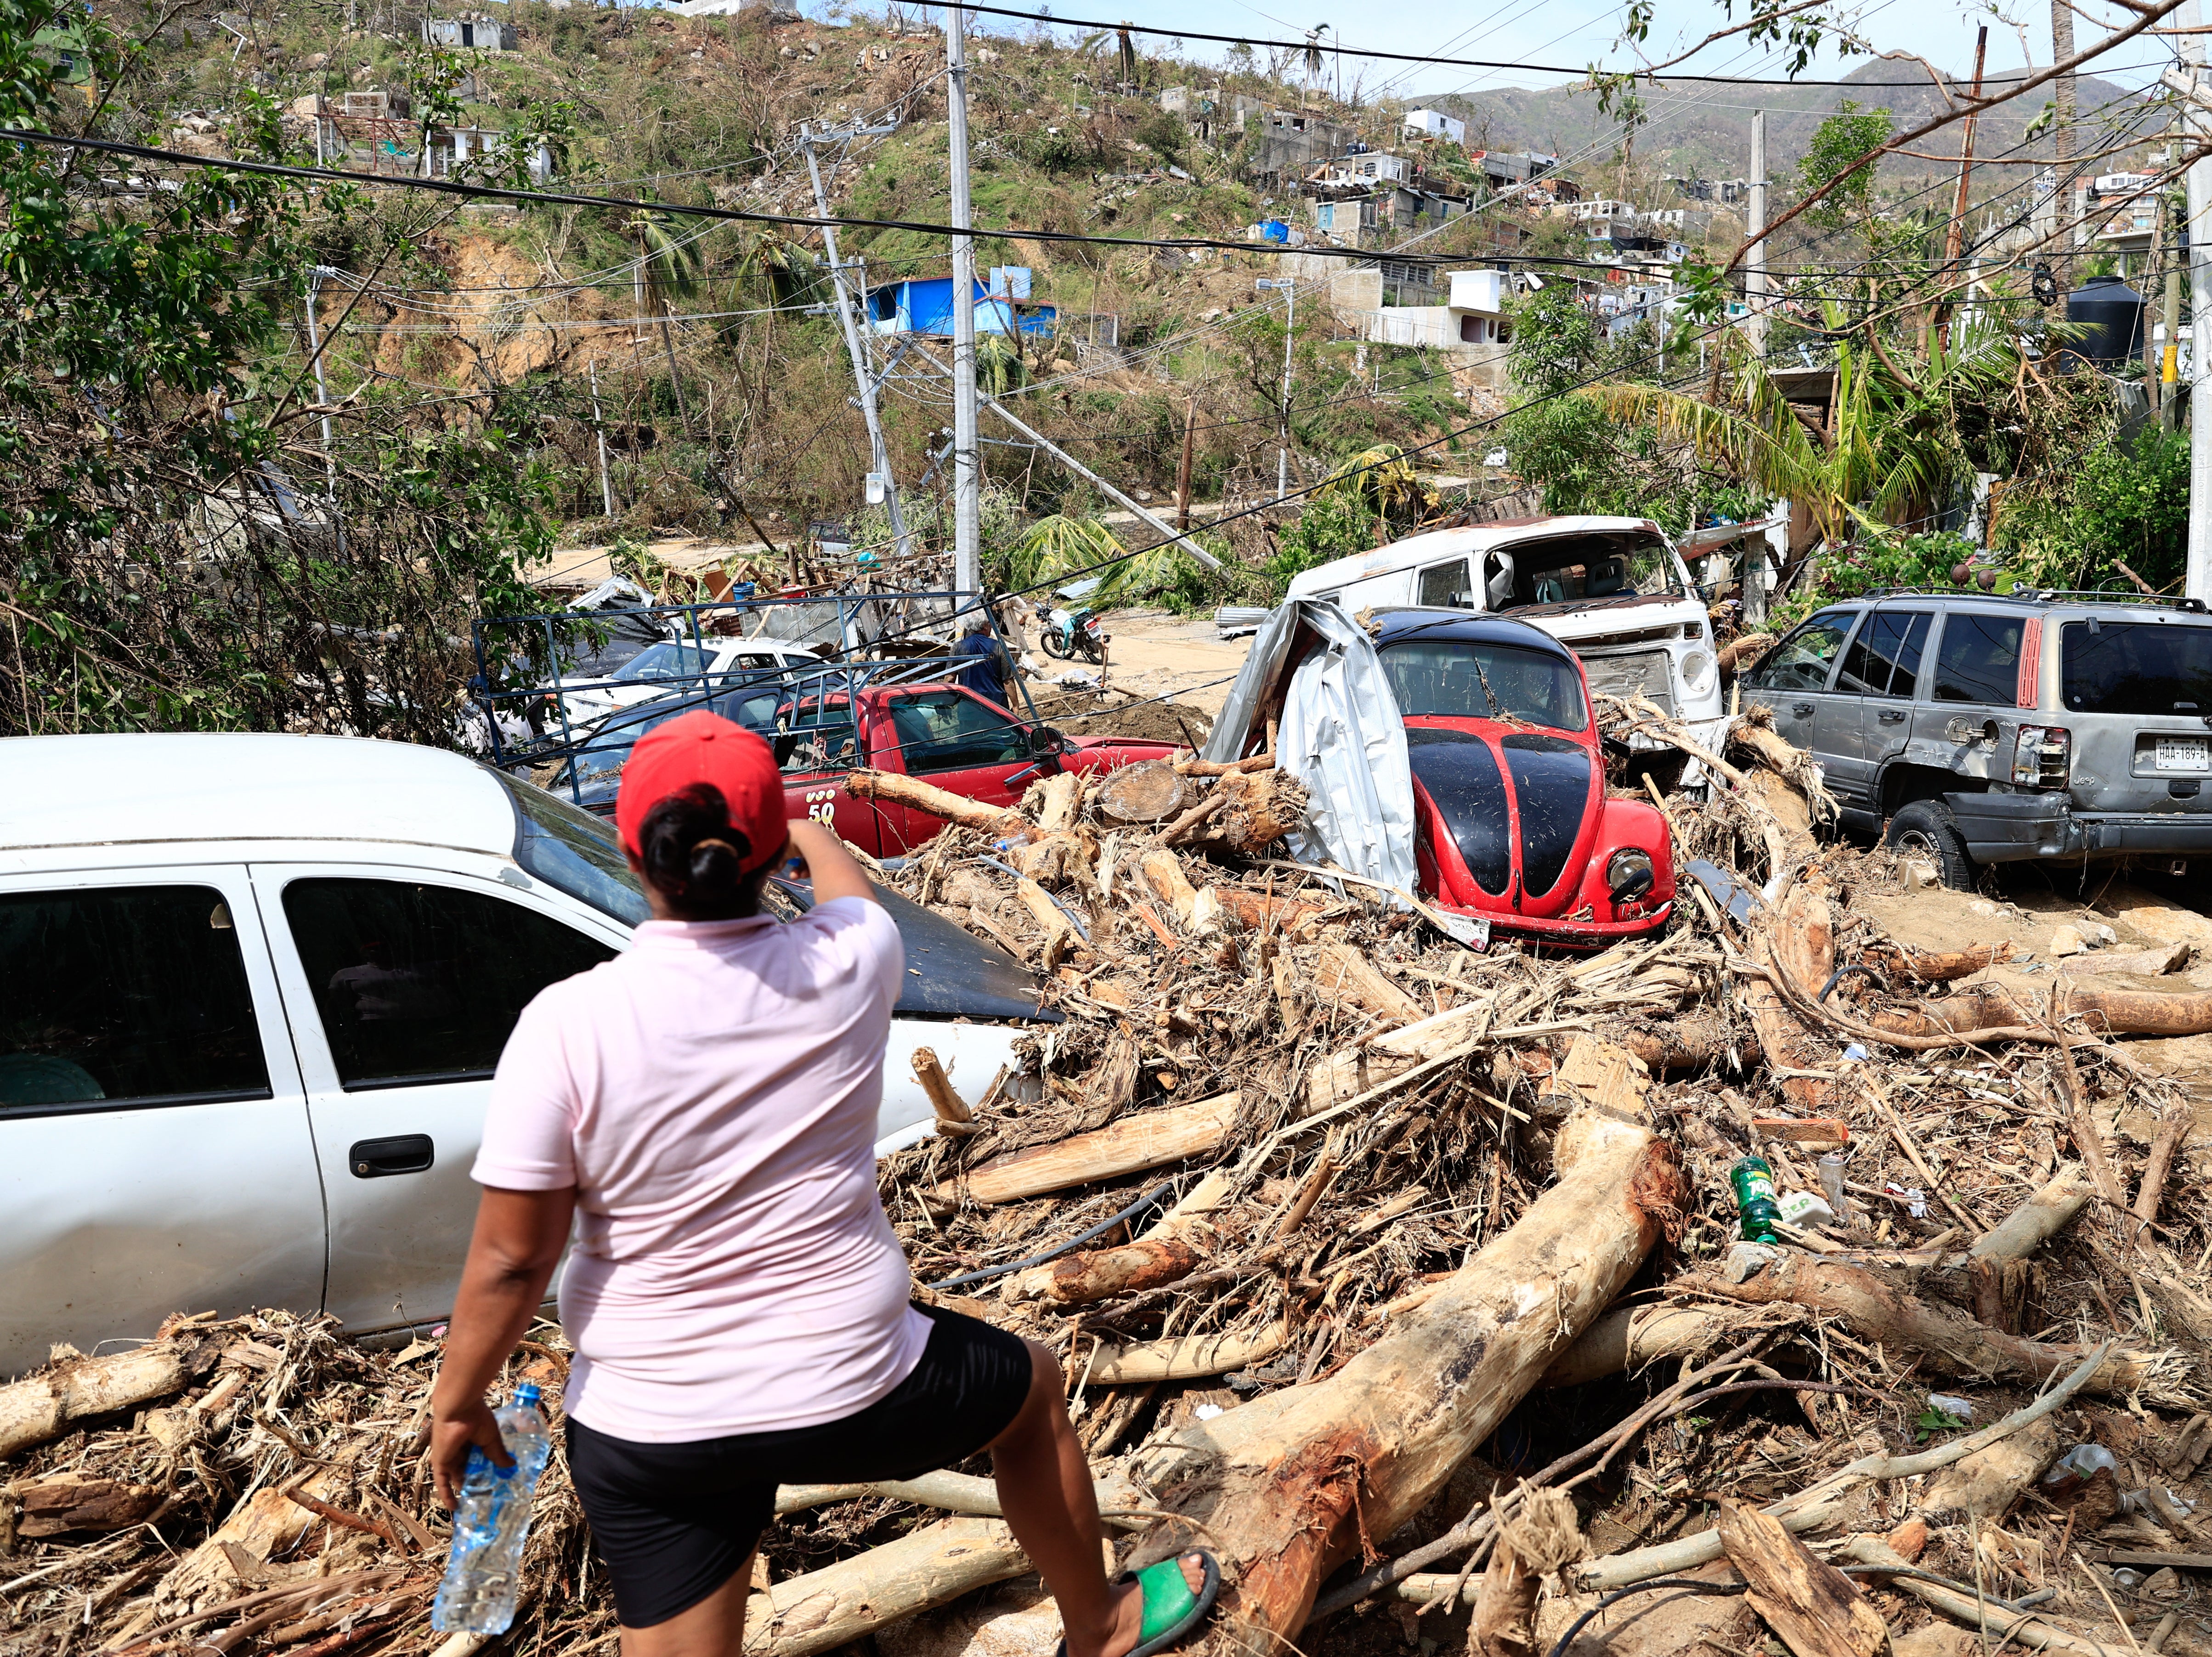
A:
x: 1703, y: 130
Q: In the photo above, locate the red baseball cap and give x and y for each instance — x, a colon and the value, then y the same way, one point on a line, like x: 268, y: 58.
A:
x: 702, y: 747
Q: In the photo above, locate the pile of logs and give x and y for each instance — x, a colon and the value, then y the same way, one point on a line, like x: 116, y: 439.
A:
x: 1407, y: 1278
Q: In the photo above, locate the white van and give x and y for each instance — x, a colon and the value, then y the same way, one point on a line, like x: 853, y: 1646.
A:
x: 1612, y: 590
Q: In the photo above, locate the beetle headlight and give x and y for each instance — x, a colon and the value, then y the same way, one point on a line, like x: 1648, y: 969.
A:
x: 1628, y: 874
x: 1697, y: 669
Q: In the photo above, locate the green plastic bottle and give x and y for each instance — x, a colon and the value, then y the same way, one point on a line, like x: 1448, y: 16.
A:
x: 1753, y: 1181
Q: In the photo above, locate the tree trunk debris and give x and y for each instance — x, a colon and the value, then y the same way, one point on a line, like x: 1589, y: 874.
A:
x: 1309, y: 1199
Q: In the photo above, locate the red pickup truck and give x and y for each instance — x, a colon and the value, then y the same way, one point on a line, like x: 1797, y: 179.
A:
x: 942, y: 733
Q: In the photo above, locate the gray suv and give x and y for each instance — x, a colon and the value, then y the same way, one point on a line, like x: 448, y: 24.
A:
x: 1974, y: 728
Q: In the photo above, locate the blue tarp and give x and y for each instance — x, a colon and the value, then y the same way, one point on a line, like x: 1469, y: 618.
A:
x: 924, y: 306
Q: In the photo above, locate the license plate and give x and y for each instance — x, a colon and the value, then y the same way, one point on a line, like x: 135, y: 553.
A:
x: 2184, y: 754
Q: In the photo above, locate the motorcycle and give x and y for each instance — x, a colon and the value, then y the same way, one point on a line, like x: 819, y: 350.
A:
x: 1071, y: 633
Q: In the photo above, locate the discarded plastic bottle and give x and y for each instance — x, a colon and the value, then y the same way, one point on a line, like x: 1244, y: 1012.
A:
x: 1831, y: 1181
x: 491, y: 1521
x: 2076, y: 1468
x: 1754, y: 1184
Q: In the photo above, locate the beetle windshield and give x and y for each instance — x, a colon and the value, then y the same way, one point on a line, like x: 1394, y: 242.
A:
x: 1462, y: 679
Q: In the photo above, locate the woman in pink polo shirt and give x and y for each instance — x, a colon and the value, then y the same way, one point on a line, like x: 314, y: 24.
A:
x: 703, y: 1109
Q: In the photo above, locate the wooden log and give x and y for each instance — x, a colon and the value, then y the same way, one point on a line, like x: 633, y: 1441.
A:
x: 1162, y: 873
x: 1543, y: 1534
x: 1060, y: 798
x: 1150, y: 1140
x: 1225, y: 767
x: 1696, y: 1041
x: 1341, y: 971
x: 917, y: 795
x: 1934, y: 966
x: 1635, y: 1337
x: 1291, y: 915
x: 1353, y: 1070
x: 950, y: 1492
x: 1986, y: 1483
x: 45, y: 1406
x: 1742, y: 653
x: 2155, y: 1170
x: 1799, y: 939
x: 1817, y: 1610
x: 1058, y: 930
x: 838, y: 1603
x: 1260, y: 807
x: 951, y: 1109
x: 78, y: 1501
x: 1286, y: 1486
x: 2049, y: 1210
x: 1097, y: 1274
x: 266, y: 1524
x: 1186, y: 826
x: 1149, y: 792
x: 1952, y: 1343
x: 1185, y: 1358
x: 2140, y: 964
x: 2107, y: 1009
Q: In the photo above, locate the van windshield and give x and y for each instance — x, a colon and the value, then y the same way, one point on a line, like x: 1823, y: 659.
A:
x: 2156, y: 668
x: 1454, y: 678
x: 1580, y: 568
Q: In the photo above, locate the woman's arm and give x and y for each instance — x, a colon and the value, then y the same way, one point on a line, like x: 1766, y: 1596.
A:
x: 833, y: 872
x: 518, y: 1238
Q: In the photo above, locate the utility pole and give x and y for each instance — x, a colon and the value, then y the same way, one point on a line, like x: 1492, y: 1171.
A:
x: 1182, y: 469
x: 967, y: 453
x: 878, y: 451
x: 2169, y: 364
x: 1754, y: 278
x: 2068, y: 191
x: 2196, y: 582
x: 599, y: 430
x: 1954, y: 235
x: 1290, y: 287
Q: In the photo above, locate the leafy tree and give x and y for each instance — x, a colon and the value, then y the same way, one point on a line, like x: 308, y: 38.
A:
x: 177, y: 548
x: 2119, y: 505
x: 1840, y: 140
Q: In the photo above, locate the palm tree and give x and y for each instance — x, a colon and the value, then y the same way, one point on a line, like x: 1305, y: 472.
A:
x: 668, y: 275
x: 1888, y: 451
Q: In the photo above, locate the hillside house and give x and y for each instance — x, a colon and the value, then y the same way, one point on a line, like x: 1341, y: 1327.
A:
x: 1434, y: 123
x: 472, y: 33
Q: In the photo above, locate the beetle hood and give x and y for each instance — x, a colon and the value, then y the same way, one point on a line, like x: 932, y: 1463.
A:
x: 1462, y: 771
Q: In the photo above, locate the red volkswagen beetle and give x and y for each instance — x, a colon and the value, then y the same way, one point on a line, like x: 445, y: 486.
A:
x: 1511, y: 820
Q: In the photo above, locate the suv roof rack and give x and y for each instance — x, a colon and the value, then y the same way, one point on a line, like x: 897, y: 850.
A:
x: 2039, y: 596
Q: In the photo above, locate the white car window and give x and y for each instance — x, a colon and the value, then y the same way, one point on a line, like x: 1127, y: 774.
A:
x: 124, y: 995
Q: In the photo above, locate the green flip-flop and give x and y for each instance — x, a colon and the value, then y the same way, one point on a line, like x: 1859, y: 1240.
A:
x: 1171, y: 1609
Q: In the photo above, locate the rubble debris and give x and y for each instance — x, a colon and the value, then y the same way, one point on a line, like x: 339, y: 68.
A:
x: 1403, y: 1274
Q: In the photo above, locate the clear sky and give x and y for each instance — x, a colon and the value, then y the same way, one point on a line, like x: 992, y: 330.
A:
x: 1578, y: 32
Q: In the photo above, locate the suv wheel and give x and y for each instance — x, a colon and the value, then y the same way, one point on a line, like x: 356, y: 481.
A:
x: 1926, y: 830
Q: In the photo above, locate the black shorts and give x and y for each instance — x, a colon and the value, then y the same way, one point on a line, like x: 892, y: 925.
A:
x: 673, y: 1522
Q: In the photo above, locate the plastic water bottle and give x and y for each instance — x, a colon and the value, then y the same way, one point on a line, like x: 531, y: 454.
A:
x: 491, y: 1521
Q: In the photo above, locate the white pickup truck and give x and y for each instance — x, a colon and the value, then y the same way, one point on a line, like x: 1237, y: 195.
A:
x: 1612, y: 590
x: 252, y: 992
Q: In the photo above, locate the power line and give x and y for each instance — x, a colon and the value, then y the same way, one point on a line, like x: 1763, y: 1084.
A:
x: 1299, y: 47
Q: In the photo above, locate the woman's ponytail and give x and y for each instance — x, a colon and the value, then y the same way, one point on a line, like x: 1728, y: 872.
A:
x: 696, y: 858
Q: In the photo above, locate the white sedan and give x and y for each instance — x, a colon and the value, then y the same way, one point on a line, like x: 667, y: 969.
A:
x: 676, y: 665
x: 252, y: 992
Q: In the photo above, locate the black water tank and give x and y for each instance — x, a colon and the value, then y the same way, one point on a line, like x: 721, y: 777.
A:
x: 2112, y: 313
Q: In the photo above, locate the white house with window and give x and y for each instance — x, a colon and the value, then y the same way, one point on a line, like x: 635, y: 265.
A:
x: 1434, y: 123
